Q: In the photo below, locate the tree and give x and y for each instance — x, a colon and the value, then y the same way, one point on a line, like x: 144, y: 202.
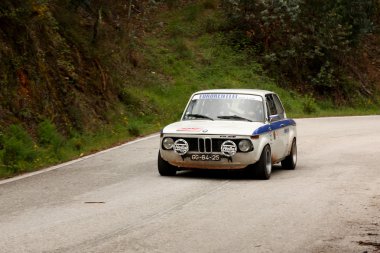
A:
x: 302, y: 41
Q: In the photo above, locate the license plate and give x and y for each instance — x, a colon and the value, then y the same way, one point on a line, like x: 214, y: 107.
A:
x: 205, y: 157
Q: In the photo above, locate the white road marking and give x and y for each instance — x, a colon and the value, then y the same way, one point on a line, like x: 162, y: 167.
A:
x: 74, y: 161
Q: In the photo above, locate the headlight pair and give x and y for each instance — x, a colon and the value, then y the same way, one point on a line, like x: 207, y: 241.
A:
x: 244, y: 145
x: 180, y: 146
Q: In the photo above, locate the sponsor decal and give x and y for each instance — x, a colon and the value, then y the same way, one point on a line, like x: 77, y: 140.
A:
x: 181, y: 146
x: 189, y: 129
x: 218, y: 96
x: 227, y: 96
x: 229, y: 148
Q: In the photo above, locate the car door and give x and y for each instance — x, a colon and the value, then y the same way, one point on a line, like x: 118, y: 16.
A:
x: 276, y: 115
x: 283, y: 131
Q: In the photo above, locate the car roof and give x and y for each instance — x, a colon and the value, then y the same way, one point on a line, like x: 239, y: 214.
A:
x: 237, y: 91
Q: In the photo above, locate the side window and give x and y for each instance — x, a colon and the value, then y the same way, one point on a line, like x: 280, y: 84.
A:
x: 271, y: 107
x: 279, y: 107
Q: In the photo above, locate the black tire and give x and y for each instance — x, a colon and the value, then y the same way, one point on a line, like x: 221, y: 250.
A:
x: 264, y: 165
x: 165, y: 168
x: 290, y: 162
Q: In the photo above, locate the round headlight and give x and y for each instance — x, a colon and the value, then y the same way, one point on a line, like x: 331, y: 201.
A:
x: 168, y: 143
x: 245, y: 145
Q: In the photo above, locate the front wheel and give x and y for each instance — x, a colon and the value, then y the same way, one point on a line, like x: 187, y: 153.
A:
x: 264, y: 165
x: 290, y: 162
x: 165, y: 168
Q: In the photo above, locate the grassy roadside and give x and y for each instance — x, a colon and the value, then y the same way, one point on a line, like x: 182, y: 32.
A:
x: 183, y: 52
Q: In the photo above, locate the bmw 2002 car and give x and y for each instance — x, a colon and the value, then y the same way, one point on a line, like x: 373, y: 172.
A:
x: 230, y: 129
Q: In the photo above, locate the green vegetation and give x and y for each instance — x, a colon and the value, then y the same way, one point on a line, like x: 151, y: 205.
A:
x: 18, y: 149
x: 311, y: 45
x: 116, y: 74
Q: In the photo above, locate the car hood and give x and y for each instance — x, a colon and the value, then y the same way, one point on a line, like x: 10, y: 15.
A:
x: 221, y: 127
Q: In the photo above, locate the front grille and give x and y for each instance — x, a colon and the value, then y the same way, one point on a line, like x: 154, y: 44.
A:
x: 205, y: 145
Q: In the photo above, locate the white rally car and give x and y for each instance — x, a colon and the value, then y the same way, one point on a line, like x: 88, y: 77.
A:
x: 230, y: 129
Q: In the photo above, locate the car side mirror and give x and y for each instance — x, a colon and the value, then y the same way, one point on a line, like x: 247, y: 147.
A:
x: 273, y: 118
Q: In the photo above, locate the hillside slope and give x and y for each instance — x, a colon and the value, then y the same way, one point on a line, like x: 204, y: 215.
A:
x: 55, y: 63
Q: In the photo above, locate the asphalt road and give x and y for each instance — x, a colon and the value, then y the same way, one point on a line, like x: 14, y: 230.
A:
x: 116, y: 201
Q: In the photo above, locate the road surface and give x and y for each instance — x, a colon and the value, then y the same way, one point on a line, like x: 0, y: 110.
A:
x: 115, y: 201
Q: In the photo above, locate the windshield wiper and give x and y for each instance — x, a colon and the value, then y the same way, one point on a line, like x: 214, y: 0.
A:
x: 233, y: 117
x: 199, y: 116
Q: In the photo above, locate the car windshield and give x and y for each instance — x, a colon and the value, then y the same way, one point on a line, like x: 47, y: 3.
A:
x: 225, y: 107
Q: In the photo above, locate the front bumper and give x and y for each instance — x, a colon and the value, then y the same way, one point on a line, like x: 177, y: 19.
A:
x: 238, y: 161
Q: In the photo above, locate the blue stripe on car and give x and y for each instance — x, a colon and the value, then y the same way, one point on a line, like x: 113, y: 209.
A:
x: 274, y: 126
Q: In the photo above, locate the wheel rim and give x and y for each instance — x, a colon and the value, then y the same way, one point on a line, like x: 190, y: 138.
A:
x: 268, y: 165
x: 294, y: 152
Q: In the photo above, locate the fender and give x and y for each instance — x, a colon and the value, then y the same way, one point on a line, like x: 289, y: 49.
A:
x: 292, y: 135
x: 263, y: 140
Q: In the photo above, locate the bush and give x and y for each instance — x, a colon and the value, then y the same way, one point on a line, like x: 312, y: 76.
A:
x: 48, y: 135
x: 134, y: 129
x: 309, y: 105
x: 18, y: 148
x: 129, y: 98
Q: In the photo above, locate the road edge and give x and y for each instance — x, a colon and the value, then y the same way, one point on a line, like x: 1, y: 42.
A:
x: 62, y: 165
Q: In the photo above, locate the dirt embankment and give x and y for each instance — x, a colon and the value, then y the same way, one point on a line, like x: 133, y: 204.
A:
x: 66, y: 61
